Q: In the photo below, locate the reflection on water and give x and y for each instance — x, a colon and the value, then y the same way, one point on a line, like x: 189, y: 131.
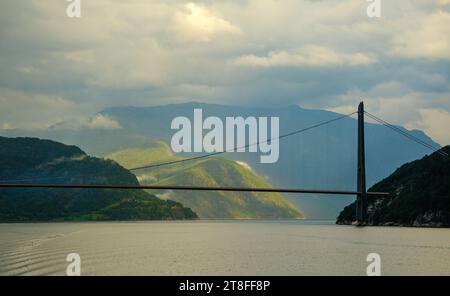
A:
x: 221, y: 248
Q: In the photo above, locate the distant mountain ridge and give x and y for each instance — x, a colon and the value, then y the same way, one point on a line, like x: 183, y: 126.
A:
x: 31, y: 160
x: 323, y: 158
x: 215, y: 172
x: 421, y: 195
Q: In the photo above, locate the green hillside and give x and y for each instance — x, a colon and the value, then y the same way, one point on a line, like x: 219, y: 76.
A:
x: 43, y: 161
x: 208, y: 172
x: 421, y: 195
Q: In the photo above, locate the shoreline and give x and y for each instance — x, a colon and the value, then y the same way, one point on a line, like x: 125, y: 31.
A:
x: 436, y: 225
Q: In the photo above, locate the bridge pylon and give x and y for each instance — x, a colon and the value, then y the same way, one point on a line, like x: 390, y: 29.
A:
x: 361, y: 204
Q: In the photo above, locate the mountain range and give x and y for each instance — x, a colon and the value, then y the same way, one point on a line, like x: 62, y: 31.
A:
x: 322, y: 158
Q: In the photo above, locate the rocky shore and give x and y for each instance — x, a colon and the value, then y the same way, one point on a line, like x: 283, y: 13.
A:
x: 430, y: 219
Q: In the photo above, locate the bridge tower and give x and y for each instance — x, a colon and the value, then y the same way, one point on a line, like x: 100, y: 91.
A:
x: 361, y: 203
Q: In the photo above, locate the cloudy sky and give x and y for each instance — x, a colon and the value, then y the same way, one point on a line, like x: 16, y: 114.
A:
x: 315, y: 53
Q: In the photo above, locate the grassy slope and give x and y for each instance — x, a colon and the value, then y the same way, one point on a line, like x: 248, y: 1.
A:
x: 208, y: 172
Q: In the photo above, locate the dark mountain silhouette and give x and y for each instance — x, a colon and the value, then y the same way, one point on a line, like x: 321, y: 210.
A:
x: 421, y: 195
x: 42, y: 161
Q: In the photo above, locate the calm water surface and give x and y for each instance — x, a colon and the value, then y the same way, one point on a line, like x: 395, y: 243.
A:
x: 221, y: 248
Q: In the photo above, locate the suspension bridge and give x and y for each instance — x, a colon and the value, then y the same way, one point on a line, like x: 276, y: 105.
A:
x: 361, y: 192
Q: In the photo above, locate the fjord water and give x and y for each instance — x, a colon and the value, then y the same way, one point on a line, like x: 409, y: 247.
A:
x: 221, y: 248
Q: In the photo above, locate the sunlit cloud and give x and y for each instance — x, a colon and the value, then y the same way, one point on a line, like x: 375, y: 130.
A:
x: 198, y: 23
x: 435, y: 122
x: 307, y: 56
x: 7, y: 126
x: 100, y: 121
x: 429, y: 40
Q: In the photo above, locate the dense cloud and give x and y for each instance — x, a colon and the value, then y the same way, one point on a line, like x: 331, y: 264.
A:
x: 318, y: 54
